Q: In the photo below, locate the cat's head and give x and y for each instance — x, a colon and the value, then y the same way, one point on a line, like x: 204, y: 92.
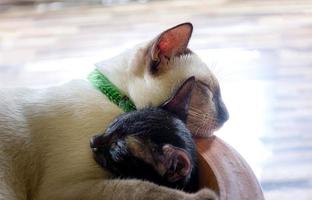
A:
x: 152, y: 143
x: 150, y: 72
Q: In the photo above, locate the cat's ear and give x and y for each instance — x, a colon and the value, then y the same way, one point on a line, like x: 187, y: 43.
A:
x: 170, y: 43
x: 177, y: 163
x: 178, y: 104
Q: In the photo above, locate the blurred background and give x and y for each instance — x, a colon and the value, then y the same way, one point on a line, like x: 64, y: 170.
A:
x: 261, y: 51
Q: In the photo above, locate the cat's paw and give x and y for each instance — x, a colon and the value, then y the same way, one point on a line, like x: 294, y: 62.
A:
x: 205, y: 194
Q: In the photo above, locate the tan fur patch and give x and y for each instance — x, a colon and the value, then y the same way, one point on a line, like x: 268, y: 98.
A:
x: 140, y: 149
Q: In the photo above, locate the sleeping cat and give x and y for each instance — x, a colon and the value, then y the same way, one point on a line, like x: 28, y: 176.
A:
x: 44, y: 133
x: 152, y: 144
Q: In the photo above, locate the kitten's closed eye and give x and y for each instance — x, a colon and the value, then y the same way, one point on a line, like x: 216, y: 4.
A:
x: 118, y: 150
x: 117, y: 145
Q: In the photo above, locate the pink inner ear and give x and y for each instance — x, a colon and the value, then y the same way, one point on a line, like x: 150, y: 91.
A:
x: 178, y: 163
x: 168, y: 44
x: 174, y: 41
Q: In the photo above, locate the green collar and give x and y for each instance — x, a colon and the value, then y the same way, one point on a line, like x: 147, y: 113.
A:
x: 102, y: 83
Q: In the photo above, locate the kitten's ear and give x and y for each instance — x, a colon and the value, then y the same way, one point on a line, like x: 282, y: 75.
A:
x: 177, y: 163
x: 170, y: 43
x: 178, y: 104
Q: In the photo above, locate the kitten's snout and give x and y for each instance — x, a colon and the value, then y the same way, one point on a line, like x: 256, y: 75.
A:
x: 97, y: 142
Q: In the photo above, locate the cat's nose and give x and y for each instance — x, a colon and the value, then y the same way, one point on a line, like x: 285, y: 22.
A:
x: 223, y: 117
x: 223, y: 114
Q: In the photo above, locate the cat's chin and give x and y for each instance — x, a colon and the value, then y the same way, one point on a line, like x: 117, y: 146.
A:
x: 204, y: 131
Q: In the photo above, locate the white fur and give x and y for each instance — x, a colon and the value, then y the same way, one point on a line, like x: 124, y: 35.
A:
x: 133, y: 77
x: 44, y: 134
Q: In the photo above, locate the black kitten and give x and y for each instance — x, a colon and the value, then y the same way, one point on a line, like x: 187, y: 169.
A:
x: 152, y: 144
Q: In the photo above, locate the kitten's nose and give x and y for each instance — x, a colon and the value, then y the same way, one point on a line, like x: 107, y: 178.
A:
x: 96, y: 142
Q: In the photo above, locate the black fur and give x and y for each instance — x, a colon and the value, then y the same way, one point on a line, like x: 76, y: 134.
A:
x: 154, y: 126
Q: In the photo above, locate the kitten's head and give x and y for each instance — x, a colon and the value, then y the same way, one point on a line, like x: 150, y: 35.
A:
x: 150, y: 72
x: 152, y: 144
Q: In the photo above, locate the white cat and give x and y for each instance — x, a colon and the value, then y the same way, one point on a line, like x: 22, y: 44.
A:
x: 44, y: 134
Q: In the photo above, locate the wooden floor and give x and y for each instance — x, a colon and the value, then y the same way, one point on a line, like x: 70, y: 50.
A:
x: 260, y: 50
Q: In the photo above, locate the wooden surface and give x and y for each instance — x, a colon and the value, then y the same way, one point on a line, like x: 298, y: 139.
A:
x: 226, y: 172
x: 260, y: 50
